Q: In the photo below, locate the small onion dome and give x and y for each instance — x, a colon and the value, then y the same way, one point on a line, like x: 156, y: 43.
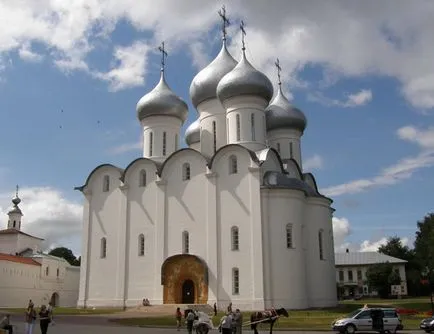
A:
x: 204, y: 85
x: 15, y: 209
x: 161, y: 101
x: 244, y: 79
x: 16, y: 200
x: 280, y: 114
x: 192, y: 134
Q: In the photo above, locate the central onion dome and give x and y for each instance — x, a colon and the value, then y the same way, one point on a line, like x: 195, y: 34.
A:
x: 161, y: 101
x: 280, y: 114
x: 204, y: 85
x: 244, y: 79
x: 192, y: 134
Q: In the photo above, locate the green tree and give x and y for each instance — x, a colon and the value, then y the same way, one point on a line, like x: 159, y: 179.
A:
x: 66, y: 254
x: 380, y: 277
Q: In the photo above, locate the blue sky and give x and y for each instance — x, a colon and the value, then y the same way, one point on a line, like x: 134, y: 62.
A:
x: 367, y: 91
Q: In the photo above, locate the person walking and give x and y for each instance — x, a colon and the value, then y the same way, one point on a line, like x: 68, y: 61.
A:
x: 225, y: 326
x: 215, y: 309
x: 238, y: 321
x: 30, y: 318
x: 5, y: 323
x: 190, y: 320
x: 178, y: 316
x: 44, y: 319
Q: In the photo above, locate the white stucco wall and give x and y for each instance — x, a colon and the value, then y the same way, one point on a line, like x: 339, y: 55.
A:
x: 211, y: 111
x: 8, y: 243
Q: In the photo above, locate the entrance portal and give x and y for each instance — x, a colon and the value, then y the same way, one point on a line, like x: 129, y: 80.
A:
x: 185, y: 280
x: 188, y: 292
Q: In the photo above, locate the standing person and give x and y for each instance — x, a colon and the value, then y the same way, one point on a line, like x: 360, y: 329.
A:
x: 6, y: 324
x: 44, y: 319
x: 230, y: 308
x: 190, y: 320
x: 238, y: 320
x: 50, y: 310
x: 178, y: 316
x: 225, y: 326
x: 215, y: 309
x: 30, y: 318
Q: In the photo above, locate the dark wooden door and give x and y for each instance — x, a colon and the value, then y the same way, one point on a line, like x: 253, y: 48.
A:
x: 188, y: 292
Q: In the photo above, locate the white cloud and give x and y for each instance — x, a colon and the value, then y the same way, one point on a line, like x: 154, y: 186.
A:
x: 372, y: 246
x: 361, y: 98
x: 26, y: 53
x: 341, y: 230
x: 424, y: 138
x: 389, y: 38
x: 314, y: 162
x: 49, y: 215
x: 129, y: 66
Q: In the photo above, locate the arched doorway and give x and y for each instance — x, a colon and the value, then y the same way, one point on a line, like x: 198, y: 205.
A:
x: 54, y: 300
x: 188, y: 292
x: 185, y: 280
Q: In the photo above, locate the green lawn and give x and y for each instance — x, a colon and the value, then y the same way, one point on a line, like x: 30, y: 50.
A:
x: 68, y: 311
x: 315, y: 319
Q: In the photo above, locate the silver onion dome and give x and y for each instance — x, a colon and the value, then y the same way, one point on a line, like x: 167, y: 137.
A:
x: 161, y: 101
x: 280, y: 114
x: 244, y: 79
x: 204, y: 84
x: 192, y: 134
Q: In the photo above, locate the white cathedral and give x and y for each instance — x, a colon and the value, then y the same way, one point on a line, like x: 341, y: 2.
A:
x: 230, y: 219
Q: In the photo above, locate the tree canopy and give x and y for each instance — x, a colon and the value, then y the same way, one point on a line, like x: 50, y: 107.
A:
x: 66, y: 254
x: 381, y: 276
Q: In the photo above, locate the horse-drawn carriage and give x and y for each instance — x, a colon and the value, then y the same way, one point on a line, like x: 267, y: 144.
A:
x: 265, y: 317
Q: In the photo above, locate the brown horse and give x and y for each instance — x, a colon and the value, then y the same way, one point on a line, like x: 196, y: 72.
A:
x: 267, y: 317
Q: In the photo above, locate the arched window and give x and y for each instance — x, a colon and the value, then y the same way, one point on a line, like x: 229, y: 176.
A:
x: 238, y: 127
x: 164, y: 143
x: 142, y: 181
x: 233, y: 165
x: 252, y: 121
x: 46, y: 271
x: 106, y: 183
x: 58, y: 272
x: 185, y: 242
x: 291, y: 150
x: 214, y: 136
x: 235, y: 239
x: 151, y: 144
x: 278, y: 147
x: 186, y: 171
x: 235, y: 281
x: 103, y: 248
x: 320, y: 244
x: 141, y: 245
x: 289, y: 242
x: 176, y: 142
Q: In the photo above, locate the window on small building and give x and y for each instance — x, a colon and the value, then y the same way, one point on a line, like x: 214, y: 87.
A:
x: 235, y: 241
x: 185, y: 242
x: 103, y: 248
x: 214, y: 136
x: 186, y: 171
x: 142, y: 181
x: 58, y: 272
x: 141, y: 245
x: 289, y: 242
x: 321, y: 244
x: 278, y: 147
x: 235, y: 281
x: 46, y: 271
x: 350, y: 275
x: 164, y: 143
x: 106, y: 183
x: 151, y: 144
x: 233, y: 165
x: 252, y: 123
x: 341, y: 275
x: 237, y: 118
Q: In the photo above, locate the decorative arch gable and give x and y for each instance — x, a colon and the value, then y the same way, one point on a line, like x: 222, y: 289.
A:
x: 310, y: 180
x: 148, y: 165
x: 168, y: 163
x: 270, y: 160
x: 233, y: 148
x: 293, y: 169
x: 96, y: 171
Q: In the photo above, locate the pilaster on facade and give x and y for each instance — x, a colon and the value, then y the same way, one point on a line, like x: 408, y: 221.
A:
x: 122, y: 260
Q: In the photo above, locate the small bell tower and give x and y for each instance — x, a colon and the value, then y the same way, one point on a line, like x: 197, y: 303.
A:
x: 15, y: 213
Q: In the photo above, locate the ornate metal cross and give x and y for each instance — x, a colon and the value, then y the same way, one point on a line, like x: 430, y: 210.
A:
x: 279, y: 69
x: 16, y: 190
x: 225, y: 21
x: 163, y: 55
x: 243, y: 33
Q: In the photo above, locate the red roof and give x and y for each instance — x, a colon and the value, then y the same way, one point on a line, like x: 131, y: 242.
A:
x: 15, y: 231
x: 18, y: 259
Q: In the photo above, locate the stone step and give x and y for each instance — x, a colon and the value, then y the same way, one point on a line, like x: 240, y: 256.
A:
x: 171, y: 308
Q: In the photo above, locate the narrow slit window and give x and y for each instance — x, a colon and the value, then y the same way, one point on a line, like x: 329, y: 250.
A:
x: 176, y: 142
x: 164, y: 143
x: 106, y: 183
x: 289, y: 241
x: 235, y: 238
x: 252, y: 123
x: 151, y: 139
x: 142, y: 182
x: 141, y: 245
x: 238, y: 127
x: 185, y: 242
x: 214, y: 135
x: 233, y: 165
x: 186, y: 172
x: 321, y: 245
x: 103, y: 248
x: 235, y: 281
x: 278, y: 147
x: 291, y: 150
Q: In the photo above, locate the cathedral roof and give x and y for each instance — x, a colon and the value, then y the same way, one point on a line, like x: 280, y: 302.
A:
x: 204, y: 85
x: 161, y: 101
x: 244, y: 79
x: 18, y: 259
x: 192, y: 134
x: 15, y: 209
x: 15, y: 231
x: 280, y: 114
